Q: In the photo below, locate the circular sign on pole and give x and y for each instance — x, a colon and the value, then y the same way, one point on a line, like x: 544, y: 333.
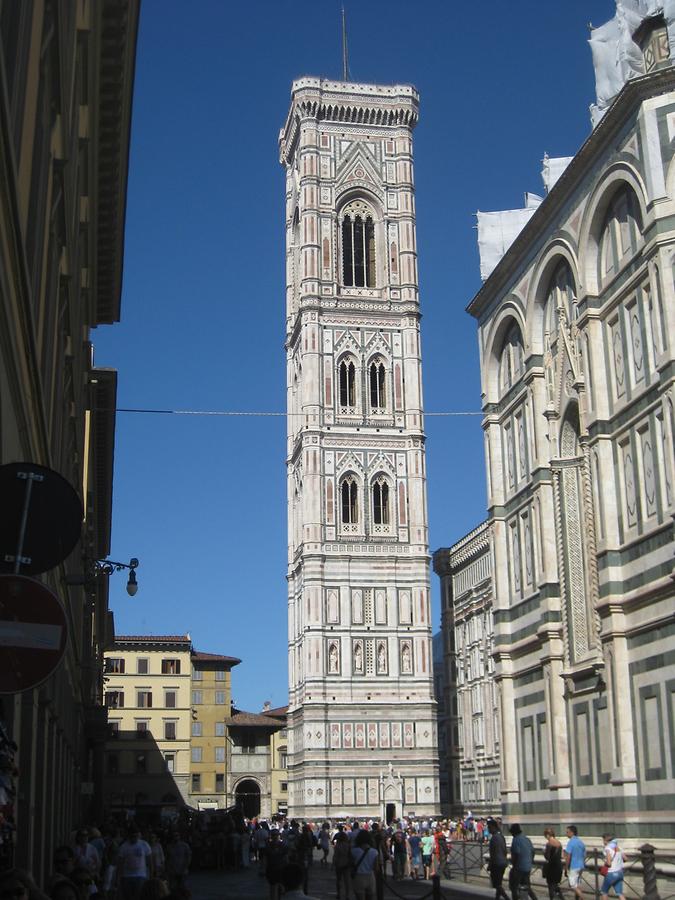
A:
x: 51, y: 519
x: 33, y: 633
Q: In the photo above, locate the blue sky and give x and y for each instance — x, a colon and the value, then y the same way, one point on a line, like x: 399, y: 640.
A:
x: 202, y: 500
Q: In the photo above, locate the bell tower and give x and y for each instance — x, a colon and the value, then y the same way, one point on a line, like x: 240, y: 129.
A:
x: 362, y: 727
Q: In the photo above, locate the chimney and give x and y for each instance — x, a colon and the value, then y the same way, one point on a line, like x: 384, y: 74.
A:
x: 267, y: 706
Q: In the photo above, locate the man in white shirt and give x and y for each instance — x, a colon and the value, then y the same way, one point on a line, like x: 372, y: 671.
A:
x: 134, y: 864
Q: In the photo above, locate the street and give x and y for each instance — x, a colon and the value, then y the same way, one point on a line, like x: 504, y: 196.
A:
x: 248, y: 884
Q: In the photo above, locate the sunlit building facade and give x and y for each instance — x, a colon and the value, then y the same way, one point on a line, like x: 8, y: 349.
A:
x: 360, y: 660
x: 576, y: 332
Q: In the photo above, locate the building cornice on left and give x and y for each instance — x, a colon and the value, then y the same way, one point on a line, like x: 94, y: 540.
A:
x: 118, y: 31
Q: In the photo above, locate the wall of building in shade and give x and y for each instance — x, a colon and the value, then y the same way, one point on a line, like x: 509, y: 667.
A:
x: 471, y: 753
x: 66, y: 78
x: 576, y: 328
x: 360, y: 661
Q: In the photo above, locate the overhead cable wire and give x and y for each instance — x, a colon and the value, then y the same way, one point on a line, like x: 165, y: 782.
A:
x: 257, y: 413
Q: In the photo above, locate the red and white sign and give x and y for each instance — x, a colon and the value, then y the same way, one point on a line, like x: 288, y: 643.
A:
x: 33, y: 633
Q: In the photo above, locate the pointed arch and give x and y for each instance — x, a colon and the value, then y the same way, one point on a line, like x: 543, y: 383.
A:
x: 349, y: 501
x: 381, y: 497
x: 377, y: 383
x: 619, y: 177
x: 346, y: 379
x: 357, y: 229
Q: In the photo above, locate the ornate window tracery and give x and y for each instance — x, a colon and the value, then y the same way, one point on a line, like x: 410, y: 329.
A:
x: 357, y: 227
x: 511, y: 359
x: 380, y: 499
x: 377, y: 383
x: 621, y: 233
x: 349, y: 503
x: 560, y: 295
x: 347, y: 384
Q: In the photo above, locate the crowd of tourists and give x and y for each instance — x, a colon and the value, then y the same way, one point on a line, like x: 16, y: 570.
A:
x: 131, y: 864
x: 559, y: 862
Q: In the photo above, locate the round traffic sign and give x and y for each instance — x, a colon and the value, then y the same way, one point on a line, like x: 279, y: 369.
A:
x: 33, y: 633
x: 53, y: 517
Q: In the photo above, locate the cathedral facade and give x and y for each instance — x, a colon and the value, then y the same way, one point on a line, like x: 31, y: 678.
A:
x: 576, y: 330
x: 361, y: 721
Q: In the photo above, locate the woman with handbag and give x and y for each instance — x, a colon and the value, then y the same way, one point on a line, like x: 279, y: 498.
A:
x: 613, y: 869
x: 552, y: 869
x: 365, y: 862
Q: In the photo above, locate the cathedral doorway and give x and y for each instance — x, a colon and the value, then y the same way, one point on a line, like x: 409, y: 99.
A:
x: 391, y: 812
x: 247, y: 798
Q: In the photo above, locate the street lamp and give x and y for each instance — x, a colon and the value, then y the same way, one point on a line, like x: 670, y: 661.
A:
x: 97, y: 567
x: 108, y: 566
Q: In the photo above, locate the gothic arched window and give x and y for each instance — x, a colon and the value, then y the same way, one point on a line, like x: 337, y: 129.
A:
x: 381, y: 501
x: 376, y: 377
x: 349, y: 500
x: 347, y: 383
x: 511, y: 359
x: 358, y: 245
x: 621, y: 232
x: 560, y: 294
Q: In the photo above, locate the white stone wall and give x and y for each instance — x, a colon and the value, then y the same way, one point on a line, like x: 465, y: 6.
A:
x: 578, y: 403
x: 360, y: 663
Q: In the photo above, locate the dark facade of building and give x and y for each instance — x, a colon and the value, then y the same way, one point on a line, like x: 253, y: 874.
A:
x: 66, y: 76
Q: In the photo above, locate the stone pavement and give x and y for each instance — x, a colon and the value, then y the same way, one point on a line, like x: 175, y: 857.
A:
x: 247, y: 884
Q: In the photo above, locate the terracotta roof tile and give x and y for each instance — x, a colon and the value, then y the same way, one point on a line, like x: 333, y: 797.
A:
x: 197, y: 656
x: 279, y: 712
x: 242, y: 719
x: 154, y: 638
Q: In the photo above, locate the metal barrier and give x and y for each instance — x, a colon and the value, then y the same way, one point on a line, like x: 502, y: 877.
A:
x: 647, y: 874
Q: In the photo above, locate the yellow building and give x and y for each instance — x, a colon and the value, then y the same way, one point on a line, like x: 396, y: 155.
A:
x: 211, y: 703
x: 148, y: 694
x: 66, y: 80
x: 278, y: 760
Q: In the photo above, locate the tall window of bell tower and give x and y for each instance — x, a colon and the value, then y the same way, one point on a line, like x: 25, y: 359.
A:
x: 347, y: 377
x: 358, y: 245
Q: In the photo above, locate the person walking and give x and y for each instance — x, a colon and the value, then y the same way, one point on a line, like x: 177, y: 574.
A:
x: 427, y: 852
x: 342, y: 862
x: 415, y: 847
x: 134, y: 864
x: 275, y: 860
x: 177, y: 861
x: 497, y: 859
x: 553, y: 865
x: 365, y: 862
x: 522, y: 859
x: 614, y: 861
x: 399, y: 853
x: 575, y: 860
x: 324, y: 843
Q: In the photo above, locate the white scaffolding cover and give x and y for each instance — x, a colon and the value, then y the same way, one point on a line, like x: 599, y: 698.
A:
x: 498, y: 230
x: 616, y: 56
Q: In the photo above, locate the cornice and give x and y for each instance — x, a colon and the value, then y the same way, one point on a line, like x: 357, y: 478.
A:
x: 598, y: 142
x: 347, y: 103
x: 115, y: 79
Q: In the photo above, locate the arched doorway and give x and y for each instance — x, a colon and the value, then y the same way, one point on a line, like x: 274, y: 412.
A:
x: 247, y: 798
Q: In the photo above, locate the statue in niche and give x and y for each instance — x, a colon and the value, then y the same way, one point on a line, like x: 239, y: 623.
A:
x: 381, y: 658
x: 333, y: 664
x: 406, y: 662
x: 358, y: 658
